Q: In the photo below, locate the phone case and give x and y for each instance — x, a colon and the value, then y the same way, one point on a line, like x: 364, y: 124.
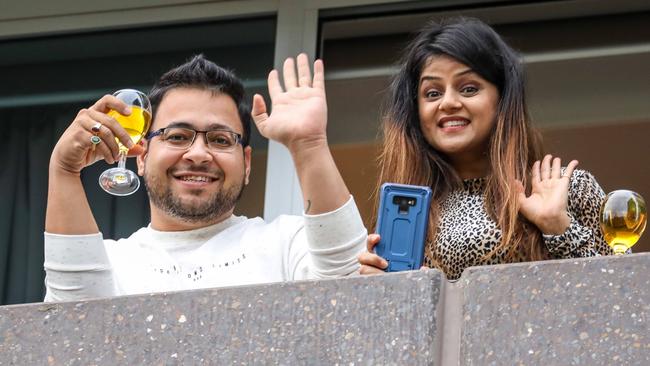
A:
x: 402, y: 223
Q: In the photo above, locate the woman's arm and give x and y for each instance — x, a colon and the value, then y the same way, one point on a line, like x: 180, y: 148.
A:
x: 583, y: 238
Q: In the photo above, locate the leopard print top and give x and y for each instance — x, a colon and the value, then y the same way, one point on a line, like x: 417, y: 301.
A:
x: 466, y: 232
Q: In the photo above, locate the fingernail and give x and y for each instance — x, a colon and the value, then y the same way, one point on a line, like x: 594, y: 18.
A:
x: 384, y: 263
x: 130, y: 144
x: 127, y: 110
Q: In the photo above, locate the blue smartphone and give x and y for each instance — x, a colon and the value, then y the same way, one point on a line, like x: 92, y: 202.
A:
x: 402, y: 223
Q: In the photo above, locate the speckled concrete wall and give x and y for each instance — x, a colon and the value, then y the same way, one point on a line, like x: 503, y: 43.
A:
x: 387, y: 319
x: 570, y: 312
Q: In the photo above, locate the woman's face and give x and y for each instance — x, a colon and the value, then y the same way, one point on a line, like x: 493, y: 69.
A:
x: 457, y: 109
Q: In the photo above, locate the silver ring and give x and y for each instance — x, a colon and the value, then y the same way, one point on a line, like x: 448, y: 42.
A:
x: 95, y: 128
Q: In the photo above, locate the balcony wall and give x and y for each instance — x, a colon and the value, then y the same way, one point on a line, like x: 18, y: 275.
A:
x: 568, y: 312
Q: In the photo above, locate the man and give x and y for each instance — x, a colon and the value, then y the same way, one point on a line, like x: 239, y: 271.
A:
x: 195, y: 162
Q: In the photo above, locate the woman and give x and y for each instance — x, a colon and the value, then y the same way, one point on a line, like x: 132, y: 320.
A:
x: 456, y: 121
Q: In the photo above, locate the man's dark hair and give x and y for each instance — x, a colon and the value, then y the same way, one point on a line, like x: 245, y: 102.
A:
x: 202, y: 73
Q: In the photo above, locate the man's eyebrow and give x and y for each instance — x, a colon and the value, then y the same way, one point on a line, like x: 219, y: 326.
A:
x: 211, y: 126
x: 220, y: 126
x: 180, y: 124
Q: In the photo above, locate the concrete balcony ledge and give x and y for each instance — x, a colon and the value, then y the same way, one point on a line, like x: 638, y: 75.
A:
x: 570, y: 312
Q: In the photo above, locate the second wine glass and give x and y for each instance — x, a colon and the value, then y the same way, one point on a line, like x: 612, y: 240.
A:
x: 121, y: 181
x: 622, y: 219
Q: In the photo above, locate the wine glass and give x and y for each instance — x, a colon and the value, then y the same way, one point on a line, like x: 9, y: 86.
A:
x: 622, y: 219
x: 121, y: 181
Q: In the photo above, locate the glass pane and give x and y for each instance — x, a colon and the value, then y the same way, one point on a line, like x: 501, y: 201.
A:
x: 587, y: 87
x: 77, y: 69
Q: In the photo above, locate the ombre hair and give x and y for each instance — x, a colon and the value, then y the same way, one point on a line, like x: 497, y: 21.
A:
x: 514, y: 144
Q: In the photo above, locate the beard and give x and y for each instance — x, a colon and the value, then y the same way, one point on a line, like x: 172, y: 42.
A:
x: 204, y: 211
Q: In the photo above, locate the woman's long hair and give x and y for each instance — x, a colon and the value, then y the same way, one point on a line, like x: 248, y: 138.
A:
x: 514, y: 145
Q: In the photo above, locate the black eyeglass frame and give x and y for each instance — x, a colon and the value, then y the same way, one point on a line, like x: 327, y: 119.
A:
x: 160, y: 131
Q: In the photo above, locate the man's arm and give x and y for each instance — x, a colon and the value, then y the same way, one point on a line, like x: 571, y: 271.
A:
x: 68, y: 211
x: 334, y: 232
x: 298, y: 121
x: 77, y: 267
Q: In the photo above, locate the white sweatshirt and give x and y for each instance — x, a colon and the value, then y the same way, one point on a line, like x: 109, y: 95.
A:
x: 237, y: 251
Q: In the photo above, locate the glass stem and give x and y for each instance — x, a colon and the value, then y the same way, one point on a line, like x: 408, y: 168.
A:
x: 121, y: 164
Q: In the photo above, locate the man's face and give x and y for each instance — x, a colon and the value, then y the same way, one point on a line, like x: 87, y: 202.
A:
x: 196, y: 186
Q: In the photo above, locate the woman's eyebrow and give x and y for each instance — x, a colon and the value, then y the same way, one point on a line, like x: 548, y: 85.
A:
x: 433, y: 77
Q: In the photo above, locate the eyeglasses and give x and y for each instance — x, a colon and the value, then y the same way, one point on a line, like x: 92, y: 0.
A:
x: 183, y: 138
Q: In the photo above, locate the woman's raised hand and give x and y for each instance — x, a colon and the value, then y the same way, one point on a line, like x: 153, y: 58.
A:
x: 547, y: 205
